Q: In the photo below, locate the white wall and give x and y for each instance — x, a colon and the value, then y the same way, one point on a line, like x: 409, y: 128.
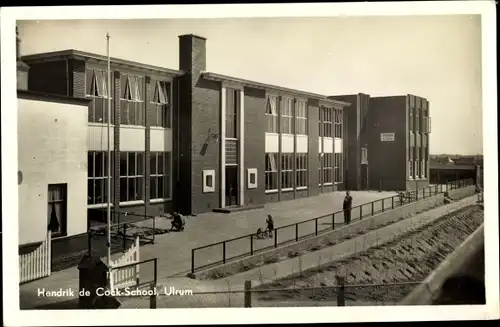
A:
x: 52, y: 149
x: 287, y: 143
x: 98, y: 137
x: 272, y: 143
x: 302, y: 145
x: 160, y: 139
x: 338, y: 145
x: 133, y: 138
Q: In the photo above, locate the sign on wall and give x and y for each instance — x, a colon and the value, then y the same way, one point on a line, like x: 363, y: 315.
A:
x: 387, y: 137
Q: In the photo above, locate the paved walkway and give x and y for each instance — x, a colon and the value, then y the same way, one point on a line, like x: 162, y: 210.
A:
x: 173, y: 250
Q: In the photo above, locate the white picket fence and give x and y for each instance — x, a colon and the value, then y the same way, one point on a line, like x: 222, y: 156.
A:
x: 127, y: 276
x: 36, y: 264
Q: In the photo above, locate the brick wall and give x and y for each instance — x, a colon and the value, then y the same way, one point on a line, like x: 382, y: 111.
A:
x: 255, y: 143
x: 53, y: 71
x: 313, y: 154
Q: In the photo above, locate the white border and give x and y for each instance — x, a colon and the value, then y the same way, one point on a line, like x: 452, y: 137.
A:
x: 14, y: 317
x: 206, y: 188
x: 251, y: 171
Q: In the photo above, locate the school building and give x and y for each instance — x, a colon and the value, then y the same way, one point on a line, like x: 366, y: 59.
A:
x: 194, y: 141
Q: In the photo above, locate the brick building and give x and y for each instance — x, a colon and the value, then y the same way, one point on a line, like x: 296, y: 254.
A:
x: 387, y: 142
x: 194, y: 141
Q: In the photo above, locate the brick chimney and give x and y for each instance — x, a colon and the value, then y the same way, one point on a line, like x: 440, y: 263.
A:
x: 192, y: 53
x: 22, y: 68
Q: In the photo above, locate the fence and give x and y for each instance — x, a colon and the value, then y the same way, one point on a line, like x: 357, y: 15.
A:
x: 307, y: 296
x: 128, y: 274
x: 36, y: 264
x: 250, y: 244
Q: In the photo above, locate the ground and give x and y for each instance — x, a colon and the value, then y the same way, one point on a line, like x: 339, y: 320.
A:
x: 173, y: 250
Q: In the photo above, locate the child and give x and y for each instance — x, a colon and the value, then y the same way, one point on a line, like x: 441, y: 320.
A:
x: 270, y: 225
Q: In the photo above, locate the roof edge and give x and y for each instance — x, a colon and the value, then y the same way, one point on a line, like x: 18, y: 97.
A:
x: 32, y: 95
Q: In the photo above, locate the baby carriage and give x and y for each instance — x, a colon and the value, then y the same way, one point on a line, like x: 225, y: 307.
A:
x: 264, y: 233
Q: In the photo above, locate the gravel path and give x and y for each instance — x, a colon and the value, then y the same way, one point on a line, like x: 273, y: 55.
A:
x: 395, y: 267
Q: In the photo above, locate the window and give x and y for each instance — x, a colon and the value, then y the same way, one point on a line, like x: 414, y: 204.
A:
x: 339, y: 174
x: 410, y: 169
x: 97, y: 90
x: 286, y: 116
x: 326, y: 168
x: 131, y: 103
x: 338, y: 122
x: 232, y: 108
x: 301, y: 170
x: 364, y: 155
x: 56, y: 209
x: 272, y: 115
x: 208, y: 181
x: 428, y: 124
x: 131, y: 176
x: 300, y: 118
x: 417, y: 173
x: 417, y: 120
x: 326, y: 123
x: 97, y: 186
x: 410, y: 119
x: 422, y: 172
x: 271, y: 171
x: 160, y: 108
x: 286, y: 171
x: 159, y: 175
x: 252, y: 178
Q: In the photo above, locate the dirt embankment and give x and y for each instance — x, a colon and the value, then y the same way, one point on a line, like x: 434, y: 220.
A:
x: 407, y: 259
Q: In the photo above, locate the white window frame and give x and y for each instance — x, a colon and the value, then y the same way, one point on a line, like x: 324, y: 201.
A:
x: 139, y: 177
x: 166, y: 173
x: 338, y: 168
x: 416, y: 169
x: 338, y: 123
x: 271, y: 162
x: 207, y: 188
x: 272, y: 114
x: 300, y: 117
x: 286, y: 114
x: 250, y: 172
x: 422, y: 167
x: 364, y: 155
x: 95, y: 180
x: 327, y: 168
x: 161, y: 98
x: 301, y: 171
x: 286, y: 161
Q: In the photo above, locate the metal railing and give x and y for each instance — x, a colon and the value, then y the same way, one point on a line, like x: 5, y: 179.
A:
x: 247, y: 245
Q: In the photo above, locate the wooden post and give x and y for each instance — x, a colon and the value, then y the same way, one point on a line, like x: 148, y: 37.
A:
x: 341, y: 291
x: 152, y: 297
x: 248, y: 294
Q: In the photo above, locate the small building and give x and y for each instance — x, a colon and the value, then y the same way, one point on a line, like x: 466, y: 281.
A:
x: 387, y: 142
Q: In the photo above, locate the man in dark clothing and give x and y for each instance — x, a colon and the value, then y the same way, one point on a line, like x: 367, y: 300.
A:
x: 347, y: 207
x: 270, y: 225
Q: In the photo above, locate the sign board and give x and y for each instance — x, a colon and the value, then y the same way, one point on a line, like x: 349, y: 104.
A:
x: 387, y: 137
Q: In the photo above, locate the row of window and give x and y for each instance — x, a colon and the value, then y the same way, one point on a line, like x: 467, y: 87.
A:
x: 132, y: 110
x: 419, y: 122
x: 132, y: 182
x: 417, y: 169
x: 290, y: 110
x: 331, y: 168
x: 419, y: 140
x: 330, y: 122
x: 330, y: 171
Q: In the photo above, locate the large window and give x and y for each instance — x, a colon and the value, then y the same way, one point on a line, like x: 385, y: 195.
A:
x: 338, y: 122
x: 326, y: 122
x: 272, y: 114
x: 131, y: 103
x: 410, y: 119
x: 410, y: 169
x: 271, y: 172
x: 159, y: 172
x: 300, y: 117
x: 326, y: 168
x: 364, y: 155
x: 131, y: 176
x: 56, y: 209
x: 98, y: 177
x: 422, y: 168
x: 339, y: 169
x: 417, y: 168
x: 97, y: 89
x: 232, y: 108
x: 417, y: 120
x: 160, y: 110
x: 286, y: 111
x: 301, y: 170
x: 286, y: 171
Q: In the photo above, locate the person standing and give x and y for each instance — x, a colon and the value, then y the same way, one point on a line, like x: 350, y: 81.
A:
x: 347, y: 207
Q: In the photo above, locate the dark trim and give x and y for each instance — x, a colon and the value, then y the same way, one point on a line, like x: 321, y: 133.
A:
x: 87, y: 56
x: 192, y: 35
x: 39, y: 96
x: 66, y: 238
x: 252, y: 84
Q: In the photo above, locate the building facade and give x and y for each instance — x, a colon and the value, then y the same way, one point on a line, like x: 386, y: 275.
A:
x: 387, y: 142
x: 194, y: 141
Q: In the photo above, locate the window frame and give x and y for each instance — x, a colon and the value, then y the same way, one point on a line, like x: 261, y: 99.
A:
x: 95, y: 180
x: 286, y: 115
x: 156, y: 175
x: 301, y: 171
x: 63, y: 221
x: 161, y: 107
x: 132, y: 96
x: 138, y: 179
x: 338, y: 123
x: 326, y: 168
x: 271, y: 172
x: 272, y: 114
x: 287, y: 172
x: 339, y: 169
x: 301, y: 127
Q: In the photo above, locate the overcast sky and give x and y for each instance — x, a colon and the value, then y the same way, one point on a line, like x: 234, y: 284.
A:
x: 437, y: 57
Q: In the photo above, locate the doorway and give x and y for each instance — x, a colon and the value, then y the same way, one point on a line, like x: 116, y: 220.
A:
x: 364, y: 176
x: 232, y: 186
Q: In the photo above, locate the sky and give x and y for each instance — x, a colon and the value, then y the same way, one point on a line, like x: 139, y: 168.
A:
x: 436, y: 57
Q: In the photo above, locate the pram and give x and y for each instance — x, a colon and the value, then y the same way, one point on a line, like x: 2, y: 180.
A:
x: 264, y: 233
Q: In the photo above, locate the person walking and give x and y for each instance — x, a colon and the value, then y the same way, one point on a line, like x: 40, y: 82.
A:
x: 347, y: 207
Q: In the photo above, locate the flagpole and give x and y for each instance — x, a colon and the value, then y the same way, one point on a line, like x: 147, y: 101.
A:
x: 109, y: 155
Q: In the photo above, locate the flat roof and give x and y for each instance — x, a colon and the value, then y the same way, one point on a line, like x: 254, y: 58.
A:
x: 39, y: 96
x: 77, y: 54
x: 264, y: 86
x: 451, y: 166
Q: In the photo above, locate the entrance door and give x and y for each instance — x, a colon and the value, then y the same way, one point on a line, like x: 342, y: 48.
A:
x: 364, y: 176
x: 232, y: 186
